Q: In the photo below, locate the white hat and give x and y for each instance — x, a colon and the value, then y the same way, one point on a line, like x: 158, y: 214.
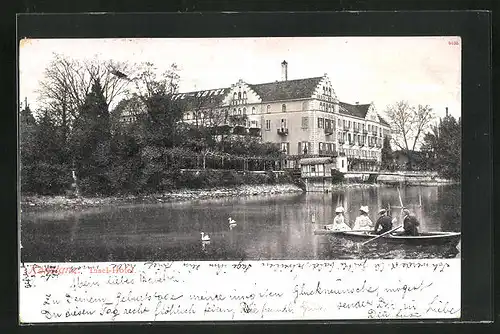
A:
x: 364, y: 209
x: 339, y: 209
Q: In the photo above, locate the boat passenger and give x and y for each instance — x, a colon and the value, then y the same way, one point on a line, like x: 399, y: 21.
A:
x: 410, y: 223
x: 339, y: 221
x: 384, y: 221
x: 363, y: 222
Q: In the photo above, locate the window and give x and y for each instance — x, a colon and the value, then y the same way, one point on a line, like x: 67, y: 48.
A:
x: 283, y: 123
x: 239, y: 111
x: 321, y: 123
x: 285, y: 147
x: 305, y: 122
x: 268, y: 108
x: 234, y: 111
x: 235, y: 96
x: 244, y: 95
x: 253, y: 110
x: 342, y: 163
x: 244, y: 111
x: 268, y: 124
x: 239, y: 95
x: 283, y: 107
x: 321, y: 146
x: 303, y: 147
x: 349, y: 125
x: 340, y: 122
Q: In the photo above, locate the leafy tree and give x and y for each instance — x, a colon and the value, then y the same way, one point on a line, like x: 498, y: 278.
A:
x: 442, y: 146
x: 387, y: 154
x: 44, y: 168
x: 91, y: 143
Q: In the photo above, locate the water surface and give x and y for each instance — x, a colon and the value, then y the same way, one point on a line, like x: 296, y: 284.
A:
x: 268, y: 228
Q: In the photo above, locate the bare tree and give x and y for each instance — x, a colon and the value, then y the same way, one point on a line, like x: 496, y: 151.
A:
x: 408, y: 125
x: 67, y: 82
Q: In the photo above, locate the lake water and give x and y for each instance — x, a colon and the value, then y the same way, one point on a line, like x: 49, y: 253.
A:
x: 268, y: 228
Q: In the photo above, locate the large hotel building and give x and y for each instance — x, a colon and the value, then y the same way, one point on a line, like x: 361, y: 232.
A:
x: 304, y: 116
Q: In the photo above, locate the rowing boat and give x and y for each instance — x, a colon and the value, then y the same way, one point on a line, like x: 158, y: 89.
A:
x: 425, y: 238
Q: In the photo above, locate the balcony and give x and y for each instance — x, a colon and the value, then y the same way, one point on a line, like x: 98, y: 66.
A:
x: 341, y: 141
x: 346, y: 128
x: 374, y: 133
x: 329, y: 131
x: 283, y: 131
x: 356, y: 130
x: 365, y: 132
x: 371, y: 145
x: 351, y: 143
x: 328, y: 153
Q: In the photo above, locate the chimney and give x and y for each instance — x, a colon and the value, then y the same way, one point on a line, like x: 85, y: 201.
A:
x: 446, y: 111
x: 284, y: 71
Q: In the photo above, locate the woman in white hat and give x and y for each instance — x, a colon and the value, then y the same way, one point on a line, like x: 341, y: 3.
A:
x: 339, y: 221
x: 363, y: 222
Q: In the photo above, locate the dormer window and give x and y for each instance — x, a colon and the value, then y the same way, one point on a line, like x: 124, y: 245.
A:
x: 283, y: 107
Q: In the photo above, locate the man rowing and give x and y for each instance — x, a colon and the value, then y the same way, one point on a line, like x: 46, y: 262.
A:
x: 410, y: 223
x: 384, y: 222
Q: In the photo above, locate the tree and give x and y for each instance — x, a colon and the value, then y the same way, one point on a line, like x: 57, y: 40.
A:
x: 91, y: 143
x: 67, y: 82
x: 387, y: 154
x: 44, y: 169
x: 443, y: 148
x: 408, y: 125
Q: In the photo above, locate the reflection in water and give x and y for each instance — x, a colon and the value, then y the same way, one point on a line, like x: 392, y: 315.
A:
x: 268, y: 227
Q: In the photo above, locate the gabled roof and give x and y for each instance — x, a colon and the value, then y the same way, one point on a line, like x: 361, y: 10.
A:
x: 357, y: 110
x: 286, y: 90
x: 383, y: 121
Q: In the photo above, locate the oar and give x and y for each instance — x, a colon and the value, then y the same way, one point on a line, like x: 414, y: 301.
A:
x: 381, y: 235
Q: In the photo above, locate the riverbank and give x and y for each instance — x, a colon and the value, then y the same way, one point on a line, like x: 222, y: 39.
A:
x: 63, y: 202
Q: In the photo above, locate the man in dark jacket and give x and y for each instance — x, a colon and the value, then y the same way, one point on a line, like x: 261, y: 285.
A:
x: 384, y: 221
x: 410, y: 223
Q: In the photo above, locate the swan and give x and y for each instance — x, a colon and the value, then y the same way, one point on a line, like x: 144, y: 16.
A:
x: 232, y: 223
x: 204, y: 237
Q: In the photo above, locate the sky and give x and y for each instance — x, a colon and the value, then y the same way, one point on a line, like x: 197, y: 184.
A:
x: 379, y: 70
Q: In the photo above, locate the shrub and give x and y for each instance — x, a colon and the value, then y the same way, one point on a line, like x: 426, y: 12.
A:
x: 337, y: 176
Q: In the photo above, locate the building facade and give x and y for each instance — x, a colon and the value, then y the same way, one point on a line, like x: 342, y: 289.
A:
x: 304, y: 116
